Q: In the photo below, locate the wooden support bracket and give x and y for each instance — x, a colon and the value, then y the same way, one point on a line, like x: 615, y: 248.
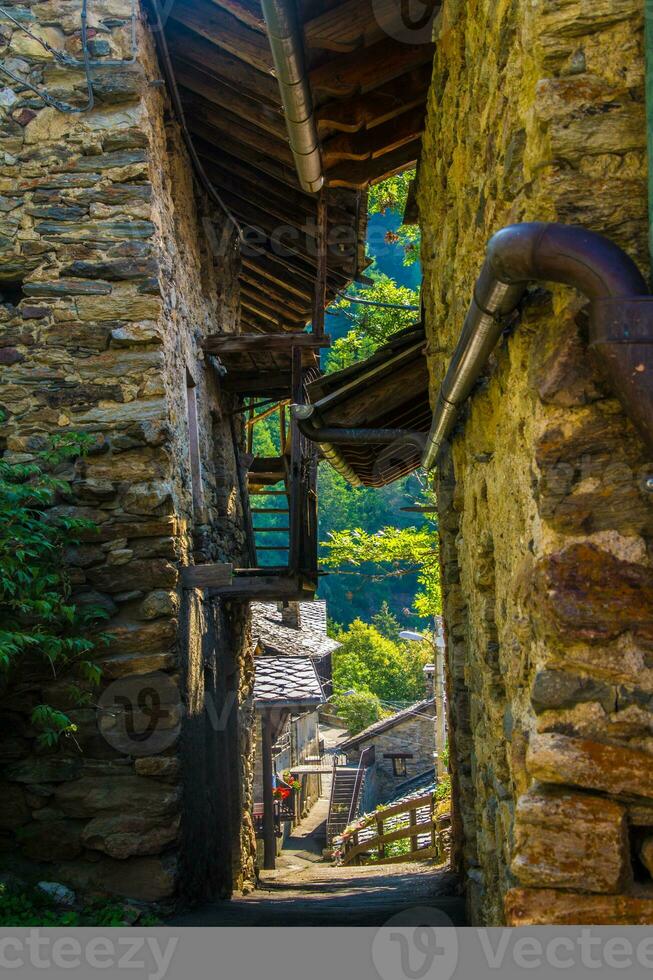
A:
x: 207, y: 576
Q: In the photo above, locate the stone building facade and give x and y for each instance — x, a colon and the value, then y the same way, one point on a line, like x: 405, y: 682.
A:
x: 537, y: 113
x: 403, y: 747
x: 113, y: 269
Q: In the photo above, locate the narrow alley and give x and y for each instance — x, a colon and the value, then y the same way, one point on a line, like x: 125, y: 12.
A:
x: 307, y: 889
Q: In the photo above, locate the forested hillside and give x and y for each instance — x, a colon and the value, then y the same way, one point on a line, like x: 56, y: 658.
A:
x: 356, y: 331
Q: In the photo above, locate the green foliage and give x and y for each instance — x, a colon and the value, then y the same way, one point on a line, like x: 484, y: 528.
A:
x: 372, y: 326
x: 42, y: 633
x: 392, y: 552
x: 21, y: 907
x: 392, y: 195
x: 370, y: 662
x: 443, y: 789
x: 358, y: 709
x: 386, y: 622
x: 360, y: 591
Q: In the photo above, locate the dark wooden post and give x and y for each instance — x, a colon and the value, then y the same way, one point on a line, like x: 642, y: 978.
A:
x: 269, y: 838
x: 322, y: 264
x: 413, y: 824
x: 379, y: 830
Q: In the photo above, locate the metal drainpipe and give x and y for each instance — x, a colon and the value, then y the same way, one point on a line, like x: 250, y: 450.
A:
x: 328, y: 437
x: 287, y: 47
x: 620, y: 316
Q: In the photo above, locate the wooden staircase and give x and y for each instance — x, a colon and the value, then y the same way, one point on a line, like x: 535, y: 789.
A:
x: 277, y: 507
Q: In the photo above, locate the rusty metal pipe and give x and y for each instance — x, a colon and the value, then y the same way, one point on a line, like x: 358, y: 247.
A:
x: 620, y: 316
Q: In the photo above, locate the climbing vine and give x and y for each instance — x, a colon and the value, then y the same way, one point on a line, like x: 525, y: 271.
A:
x: 44, y: 635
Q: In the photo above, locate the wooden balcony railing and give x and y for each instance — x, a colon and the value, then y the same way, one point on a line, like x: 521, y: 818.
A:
x: 410, y: 826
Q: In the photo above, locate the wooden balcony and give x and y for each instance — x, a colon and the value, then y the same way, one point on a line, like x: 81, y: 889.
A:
x: 269, y: 372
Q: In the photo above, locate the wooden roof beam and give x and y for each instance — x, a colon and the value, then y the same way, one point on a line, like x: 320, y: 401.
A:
x: 246, y: 11
x: 377, y: 106
x: 363, y: 71
x: 222, y: 122
x: 356, y: 174
x: 188, y: 48
x: 372, y: 143
x: 198, y: 83
x: 225, y: 31
x: 235, y: 343
x: 273, y: 309
x: 260, y: 267
x: 283, y: 296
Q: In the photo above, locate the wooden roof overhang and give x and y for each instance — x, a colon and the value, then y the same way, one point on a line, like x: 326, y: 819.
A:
x: 389, y: 390
x: 369, y: 91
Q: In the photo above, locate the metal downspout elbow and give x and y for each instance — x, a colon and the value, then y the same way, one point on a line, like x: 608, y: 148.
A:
x: 287, y: 48
x: 620, y: 316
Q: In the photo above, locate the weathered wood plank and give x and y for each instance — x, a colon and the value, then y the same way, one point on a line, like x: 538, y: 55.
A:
x: 371, y: 143
x: 225, y: 343
x: 376, y: 107
x: 226, y: 32
x: 221, y: 121
x: 197, y: 82
x: 206, y: 576
x: 362, y: 71
x: 187, y: 47
x: 246, y: 11
x: 268, y: 587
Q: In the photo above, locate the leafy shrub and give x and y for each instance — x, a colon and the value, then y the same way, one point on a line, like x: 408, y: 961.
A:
x: 26, y: 907
x: 368, y: 661
x: 43, y: 634
x: 358, y: 709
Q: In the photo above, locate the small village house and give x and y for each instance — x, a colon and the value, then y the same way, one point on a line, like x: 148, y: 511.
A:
x: 398, y: 748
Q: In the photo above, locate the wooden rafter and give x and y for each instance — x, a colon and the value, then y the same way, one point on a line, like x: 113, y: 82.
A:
x: 197, y: 83
x: 376, y: 107
x: 225, y: 31
x: 372, y: 143
x: 187, y: 47
x: 362, y: 71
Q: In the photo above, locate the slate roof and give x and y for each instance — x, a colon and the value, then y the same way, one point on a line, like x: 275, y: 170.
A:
x: 421, y: 707
x: 420, y: 785
x: 310, y: 640
x: 286, y: 682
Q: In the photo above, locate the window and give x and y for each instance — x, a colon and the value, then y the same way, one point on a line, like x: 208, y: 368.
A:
x: 399, y: 762
x: 194, y: 449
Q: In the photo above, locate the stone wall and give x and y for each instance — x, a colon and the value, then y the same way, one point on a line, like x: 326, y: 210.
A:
x: 537, y: 113
x: 414, y: 737
x: 113, y: 268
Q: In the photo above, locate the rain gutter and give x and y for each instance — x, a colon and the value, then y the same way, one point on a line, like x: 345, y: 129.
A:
x: 620, y: 317
x: 287, y: 47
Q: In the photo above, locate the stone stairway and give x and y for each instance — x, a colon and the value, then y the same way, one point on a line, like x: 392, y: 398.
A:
x: 342, y: 795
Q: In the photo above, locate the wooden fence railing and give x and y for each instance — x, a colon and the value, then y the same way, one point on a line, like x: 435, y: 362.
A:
x: 411, y: 821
